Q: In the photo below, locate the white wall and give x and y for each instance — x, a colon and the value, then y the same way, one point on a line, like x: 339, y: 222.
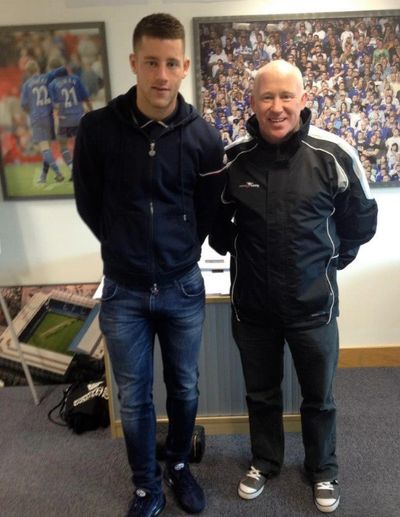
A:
x: 45, y: 242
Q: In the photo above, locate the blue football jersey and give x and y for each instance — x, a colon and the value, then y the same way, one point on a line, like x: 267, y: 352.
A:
x: 67, y: 94
x: 35, y: 98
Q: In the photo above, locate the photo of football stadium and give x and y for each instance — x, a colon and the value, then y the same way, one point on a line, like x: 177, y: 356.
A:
x: 55, y: 326
x: 52, y: 328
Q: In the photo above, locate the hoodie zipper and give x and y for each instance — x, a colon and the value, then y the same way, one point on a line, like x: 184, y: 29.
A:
x: 152, y: 153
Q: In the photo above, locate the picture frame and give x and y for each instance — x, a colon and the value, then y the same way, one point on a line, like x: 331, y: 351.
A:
x: 56, y: 326
x: 350, y: 63
x: 50, y: 75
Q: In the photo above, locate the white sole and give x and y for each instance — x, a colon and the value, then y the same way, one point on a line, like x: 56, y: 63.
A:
x: 328, y: 509
x: 246, y: 495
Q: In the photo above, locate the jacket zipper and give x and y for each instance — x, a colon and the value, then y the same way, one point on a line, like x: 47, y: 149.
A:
x: 331, y: 291
x: 234, y: 280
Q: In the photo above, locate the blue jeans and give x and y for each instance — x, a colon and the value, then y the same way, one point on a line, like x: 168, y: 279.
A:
x: 130, y: 318
x: 315, y: 356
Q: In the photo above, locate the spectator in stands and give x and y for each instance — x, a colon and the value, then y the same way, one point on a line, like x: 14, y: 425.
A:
x: 379, y: 52
x: 243, y: 49
x: 394, y: 172
x: 225, y: 137
x: 373, y: 150
x: 393, y: 155
x: 216, y: 56
x: 361, y: 143
x: 394, y: 139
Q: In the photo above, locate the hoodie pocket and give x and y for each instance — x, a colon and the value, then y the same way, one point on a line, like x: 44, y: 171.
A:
x: 126, y: 238
x: 176, y: 239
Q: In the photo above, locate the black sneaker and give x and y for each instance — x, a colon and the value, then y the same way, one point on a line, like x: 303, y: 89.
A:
x: 188, y: 492
x: 252, y: 484
x: 327, y: 495
x: 145, y: 504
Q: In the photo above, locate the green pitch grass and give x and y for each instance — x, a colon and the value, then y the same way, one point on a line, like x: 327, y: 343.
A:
x: 55, y: 332
x: 22, y: 182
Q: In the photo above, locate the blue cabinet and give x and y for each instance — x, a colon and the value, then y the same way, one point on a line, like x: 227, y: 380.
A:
x: 222, y: 404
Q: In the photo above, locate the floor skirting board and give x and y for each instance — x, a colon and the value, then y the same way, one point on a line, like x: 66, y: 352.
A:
x: 349, y: 357
x: 374, y: 356
x: 216, y: 425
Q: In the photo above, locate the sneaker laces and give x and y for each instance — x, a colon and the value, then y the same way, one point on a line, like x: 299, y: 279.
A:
x: 254, y: 473
x: 325, y: 485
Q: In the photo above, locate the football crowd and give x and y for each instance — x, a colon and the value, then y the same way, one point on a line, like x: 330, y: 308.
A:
x: 351, y: 71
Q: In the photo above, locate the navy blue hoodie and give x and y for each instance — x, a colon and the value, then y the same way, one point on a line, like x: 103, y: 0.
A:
x: 149, y: 197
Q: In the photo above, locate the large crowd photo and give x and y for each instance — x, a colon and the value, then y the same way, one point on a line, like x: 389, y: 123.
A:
x: 351, y: 71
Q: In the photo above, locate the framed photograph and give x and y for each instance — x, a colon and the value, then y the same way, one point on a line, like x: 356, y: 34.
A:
x: 57, y: 327
x: 351, y: 68
x: 50, y: 75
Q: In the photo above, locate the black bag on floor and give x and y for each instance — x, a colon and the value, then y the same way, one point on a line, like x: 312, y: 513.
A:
x: 198, y: 442
x: 84, y: 407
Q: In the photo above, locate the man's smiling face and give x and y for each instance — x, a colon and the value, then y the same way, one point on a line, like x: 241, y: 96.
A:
x: 277, y: 101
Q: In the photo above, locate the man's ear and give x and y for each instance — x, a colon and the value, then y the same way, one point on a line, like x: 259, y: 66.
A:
x: 252, y: 102
x: 132, y: 61
x: 304, y: 98
x: 186, y: 65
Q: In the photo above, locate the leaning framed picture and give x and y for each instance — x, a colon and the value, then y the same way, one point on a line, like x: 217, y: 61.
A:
x: 350, y: 64
x: 50, y: 75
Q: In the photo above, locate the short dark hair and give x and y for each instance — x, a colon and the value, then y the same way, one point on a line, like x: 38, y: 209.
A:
x: 158, y: 25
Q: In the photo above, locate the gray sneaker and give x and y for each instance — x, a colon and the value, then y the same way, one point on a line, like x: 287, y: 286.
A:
x: 327, y: 495
x: 252, y: 484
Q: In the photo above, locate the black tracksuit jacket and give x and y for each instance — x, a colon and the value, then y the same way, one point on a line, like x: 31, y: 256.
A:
x: 291, y: 215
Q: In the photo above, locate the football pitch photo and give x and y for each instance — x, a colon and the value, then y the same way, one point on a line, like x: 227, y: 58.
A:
x: 23, y: 182
x: 55, y: 332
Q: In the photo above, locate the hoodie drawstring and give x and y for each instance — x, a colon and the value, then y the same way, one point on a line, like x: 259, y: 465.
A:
x: 180, y: 159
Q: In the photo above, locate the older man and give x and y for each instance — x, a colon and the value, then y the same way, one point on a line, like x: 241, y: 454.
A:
x: 296, y: 207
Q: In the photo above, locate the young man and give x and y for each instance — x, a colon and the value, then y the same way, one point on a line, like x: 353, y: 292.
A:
x: 147, y: 182
x: 302, y: 208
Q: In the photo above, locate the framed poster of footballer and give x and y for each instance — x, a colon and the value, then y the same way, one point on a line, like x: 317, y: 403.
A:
x: 50, y: 75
